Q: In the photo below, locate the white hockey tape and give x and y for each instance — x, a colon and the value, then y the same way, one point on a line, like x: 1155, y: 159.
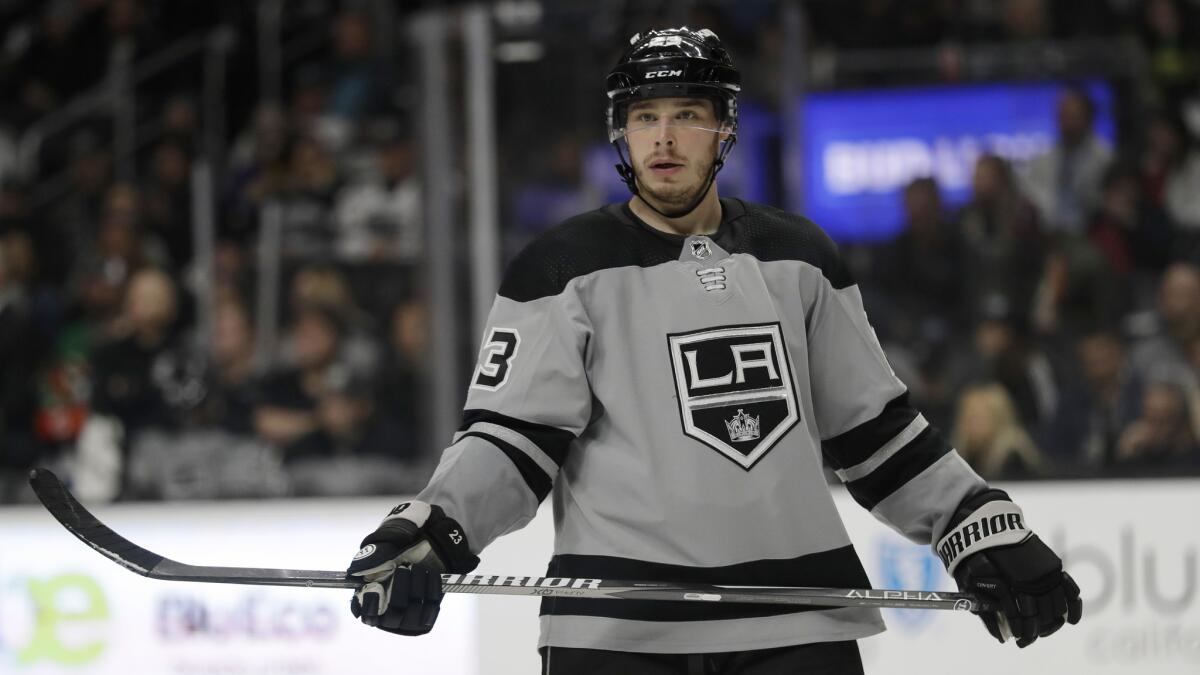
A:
x: 415, y: 512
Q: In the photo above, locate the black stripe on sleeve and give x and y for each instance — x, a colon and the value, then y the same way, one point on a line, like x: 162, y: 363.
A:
x: 857, y: 445
x: 918, y: 455
x: 836, y: 568
x: 552, y: 440
x: 537, y: 480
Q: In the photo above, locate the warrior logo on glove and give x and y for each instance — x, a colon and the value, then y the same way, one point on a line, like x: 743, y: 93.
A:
x: 991, y: 553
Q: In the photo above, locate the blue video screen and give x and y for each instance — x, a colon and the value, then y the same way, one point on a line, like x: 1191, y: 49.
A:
x: 859, y: 149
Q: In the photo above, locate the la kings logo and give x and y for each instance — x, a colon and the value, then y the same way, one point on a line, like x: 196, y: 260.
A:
x: 735, y: 389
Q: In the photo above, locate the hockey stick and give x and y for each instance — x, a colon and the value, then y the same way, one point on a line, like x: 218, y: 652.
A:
x: 67, y: 510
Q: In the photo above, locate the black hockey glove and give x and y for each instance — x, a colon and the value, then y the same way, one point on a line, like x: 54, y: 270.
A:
x: 400, y: 565
x: 991, y: 553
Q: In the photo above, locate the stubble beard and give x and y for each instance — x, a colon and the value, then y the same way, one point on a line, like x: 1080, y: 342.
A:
x: 670, y: 198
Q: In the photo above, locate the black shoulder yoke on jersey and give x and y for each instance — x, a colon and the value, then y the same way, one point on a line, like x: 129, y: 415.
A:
x: 612, y: 236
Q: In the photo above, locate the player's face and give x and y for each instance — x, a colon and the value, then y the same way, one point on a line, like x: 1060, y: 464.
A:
x: 673, y: 143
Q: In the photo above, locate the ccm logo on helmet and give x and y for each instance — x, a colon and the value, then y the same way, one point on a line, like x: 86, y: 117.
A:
x: 663, y: 73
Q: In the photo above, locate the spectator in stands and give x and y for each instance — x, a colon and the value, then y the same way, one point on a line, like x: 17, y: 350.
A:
x: 310, y: 186
x: 306, y: 107
x: 362, y: 454
x: 286, y: 414
x: 14, y: 206
x: 1170, y: 167
x: 1163, y: 151
x: 72, y: 218
x: 36, y: 258
x: 1025, y: 20
x: 143, y: 380
x: 357, y: 85
x: 232, y: 393
x: 1132, y: 234
x: 1164, y: 355
x: 207, y: 448
x: 167, y: 207
x: 1169, y: 38
x: 1064, y: 182
x: 130, y: 30
x: 1002, y: 242
x: 922, y: 268
x: 1005, y: 351
x: 1161, y: 441
x: 915, y: 296
x: 8, y: 153
x: 320, y: 284
x: 1094, y: 412
x: 258, y: 172
x: 21, y: 263
x: 1194, y: 394
x: 19, y: 354
x: 263, y: 142
x: 325, y: 285
x: 136, y: 374
x: 990, y: 437
x: 1076, y: 290
x: 59, y: 59
x: 347, y: 415
x: 379, y: 216
x: 369, y: 426
x: 1180, y: 196
x: 403, y: 378
x: 180, y: 119
x: 120, y: 250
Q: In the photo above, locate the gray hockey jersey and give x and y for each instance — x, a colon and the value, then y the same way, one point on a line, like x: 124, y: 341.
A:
x: 678, y: 398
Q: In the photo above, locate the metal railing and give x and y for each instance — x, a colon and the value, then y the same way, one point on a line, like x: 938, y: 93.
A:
x: 115, y: 97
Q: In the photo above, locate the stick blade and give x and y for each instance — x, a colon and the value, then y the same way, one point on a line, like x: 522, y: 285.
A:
x: 80, y: 522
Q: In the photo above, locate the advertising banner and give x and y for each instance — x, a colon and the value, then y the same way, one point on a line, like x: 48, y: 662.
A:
x: 65, y: 609
x: 1132, y: 547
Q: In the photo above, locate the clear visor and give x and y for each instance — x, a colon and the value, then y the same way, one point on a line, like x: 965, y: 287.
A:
x: 638, y: 126
x: 642, y: 122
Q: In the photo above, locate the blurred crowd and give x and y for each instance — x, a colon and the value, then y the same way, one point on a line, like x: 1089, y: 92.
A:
x: 1051, y: 325
x: 112, y: 367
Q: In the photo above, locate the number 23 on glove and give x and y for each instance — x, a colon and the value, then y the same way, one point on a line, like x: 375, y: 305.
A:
x: 991, y: 553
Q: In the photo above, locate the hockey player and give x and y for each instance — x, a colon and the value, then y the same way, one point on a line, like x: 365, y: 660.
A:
x: 675, y: 372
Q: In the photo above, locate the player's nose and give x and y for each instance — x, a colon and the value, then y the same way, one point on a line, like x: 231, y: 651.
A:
x: 664, y: 134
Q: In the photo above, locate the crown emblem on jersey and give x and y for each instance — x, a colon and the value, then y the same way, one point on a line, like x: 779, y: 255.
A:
x: 700, y: 249
x: 742, y: 427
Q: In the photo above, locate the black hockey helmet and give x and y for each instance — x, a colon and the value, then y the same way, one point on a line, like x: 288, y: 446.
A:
x: 673, y: 62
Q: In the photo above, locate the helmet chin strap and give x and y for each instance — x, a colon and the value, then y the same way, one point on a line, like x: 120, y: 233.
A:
x: 625, y: 170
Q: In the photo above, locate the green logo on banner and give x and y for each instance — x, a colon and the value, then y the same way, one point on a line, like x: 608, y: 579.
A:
x: 60, y: 603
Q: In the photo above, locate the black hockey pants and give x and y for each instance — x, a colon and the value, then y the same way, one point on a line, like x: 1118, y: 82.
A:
x: 822, y: 658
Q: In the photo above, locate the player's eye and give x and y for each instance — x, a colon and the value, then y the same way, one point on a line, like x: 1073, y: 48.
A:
x: 687, y: 114
x: 645, y: 117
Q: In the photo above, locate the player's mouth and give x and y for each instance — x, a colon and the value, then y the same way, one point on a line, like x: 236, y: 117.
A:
x: 665, y: 167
